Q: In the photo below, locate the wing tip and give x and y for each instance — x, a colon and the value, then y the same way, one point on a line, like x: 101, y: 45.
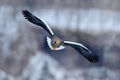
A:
x: 94, y: 59
x: 25, y: 13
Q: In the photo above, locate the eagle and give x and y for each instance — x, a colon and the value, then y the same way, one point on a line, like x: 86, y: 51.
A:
x: 55, y: 43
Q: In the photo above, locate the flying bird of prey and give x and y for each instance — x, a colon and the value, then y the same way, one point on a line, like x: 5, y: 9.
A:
x: 55, y: 43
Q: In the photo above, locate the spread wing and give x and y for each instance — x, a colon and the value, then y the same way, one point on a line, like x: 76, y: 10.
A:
x: 85, y: 52
x: 33, y: 19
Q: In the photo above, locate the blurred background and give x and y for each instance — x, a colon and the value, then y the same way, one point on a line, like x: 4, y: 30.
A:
x: 25, y: 55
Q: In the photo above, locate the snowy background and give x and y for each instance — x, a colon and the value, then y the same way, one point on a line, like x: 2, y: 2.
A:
x: 25, y: 55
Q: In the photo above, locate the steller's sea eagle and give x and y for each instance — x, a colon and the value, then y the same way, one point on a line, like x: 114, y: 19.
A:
x: 55, y: 43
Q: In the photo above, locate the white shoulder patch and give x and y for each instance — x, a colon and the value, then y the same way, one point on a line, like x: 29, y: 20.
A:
x: 49, y: 44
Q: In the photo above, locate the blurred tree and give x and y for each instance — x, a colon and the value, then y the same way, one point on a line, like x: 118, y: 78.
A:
x: 30, y: 3
x: 45, y: 73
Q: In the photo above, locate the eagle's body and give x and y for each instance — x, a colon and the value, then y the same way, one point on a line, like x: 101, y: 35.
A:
x: 55, y: 43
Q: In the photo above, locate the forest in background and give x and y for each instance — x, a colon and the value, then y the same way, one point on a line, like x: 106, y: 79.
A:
x: 86, y: 4
x: 24, y: 51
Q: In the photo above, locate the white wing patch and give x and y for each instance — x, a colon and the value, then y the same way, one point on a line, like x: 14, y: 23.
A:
x: 49, y: 44
x: 48, y: 27
x: 75, y: 44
